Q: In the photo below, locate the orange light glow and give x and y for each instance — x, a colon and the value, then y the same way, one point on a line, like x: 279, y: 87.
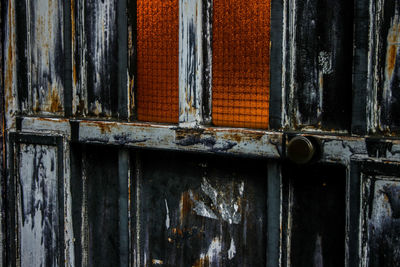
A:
x: 157, y: 60
x: 240, y: 81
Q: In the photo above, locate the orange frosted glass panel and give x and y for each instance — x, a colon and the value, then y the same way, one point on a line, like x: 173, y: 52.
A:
x: 157, y: 60
x: 240, y: 74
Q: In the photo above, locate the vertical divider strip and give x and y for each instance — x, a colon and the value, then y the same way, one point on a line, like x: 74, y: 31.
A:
x: 123, y: 174
x: 276, y: 64
x: 360, y: 66
x: 67, y: 59
x: 122, y: 25
x: 274, y: 214
x: 191, y: 63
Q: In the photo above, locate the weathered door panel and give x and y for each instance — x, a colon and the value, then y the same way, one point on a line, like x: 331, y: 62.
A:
x: 322, y: 67
x: 379, y: 213
x: 40, y: 44
x: 97, y: 91
x: 96, y: 210
x: 200, y: 211
x: 387, y: 74
x: 316, y: 215
x: 36, y: 192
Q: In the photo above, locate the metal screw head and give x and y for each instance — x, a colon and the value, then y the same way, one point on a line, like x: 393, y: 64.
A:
x: 300, y: 150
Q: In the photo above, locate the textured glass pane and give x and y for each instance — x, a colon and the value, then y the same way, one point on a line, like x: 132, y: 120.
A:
x: 157, y: 60
x: 241, y: 40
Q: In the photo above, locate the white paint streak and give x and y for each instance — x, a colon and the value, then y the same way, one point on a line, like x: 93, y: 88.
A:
x: 232, y: 250
x: 214, y: 251
x: 69, y: 230
x: 318, y: 256
x: 167, y: 219
x: 224, y: 202
x: 103, y: 34
x: 201, y: 208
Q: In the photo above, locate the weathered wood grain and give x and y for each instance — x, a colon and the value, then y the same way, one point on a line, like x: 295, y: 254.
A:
x: 43, y: 92
x: 381, y: 213
x: 386, y: 67
x: 191, y: 63
x: 315, y: 233
x: 200, y: 211
x: 99, y: 58
x: 38, y: 209
x: 321, y: 93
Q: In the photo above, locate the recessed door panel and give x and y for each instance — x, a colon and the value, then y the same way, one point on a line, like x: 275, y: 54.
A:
x: 200, y: 211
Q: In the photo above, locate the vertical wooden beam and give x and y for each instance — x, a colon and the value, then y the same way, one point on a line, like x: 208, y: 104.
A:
x: 10, y: 65
x: 122, y: 26
x: 353, y: 198
x: 123, y: 174
x: 361, y: 69
x: 277, y: 69
x: 274, y: 214
x: 191, y: 63
x: 67, y: 59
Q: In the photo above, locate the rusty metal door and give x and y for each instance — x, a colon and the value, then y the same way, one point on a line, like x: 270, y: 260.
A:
x: 162, y: 133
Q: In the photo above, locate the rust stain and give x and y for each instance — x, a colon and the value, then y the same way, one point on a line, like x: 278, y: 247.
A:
x: 186, y: 132
x: 185, y: 206
x: 202, y: 262
x: 104, y: 128
x: 321, y: 81
x: 54, y: 100
x: 393, y: 39
x: 132, y: 92
x: 74, y: 74
x: 248, y: 136
x: 10, y: 58
x: 81, y: 106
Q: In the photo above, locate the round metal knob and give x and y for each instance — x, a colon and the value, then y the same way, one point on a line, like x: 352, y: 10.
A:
x: 300, y: 150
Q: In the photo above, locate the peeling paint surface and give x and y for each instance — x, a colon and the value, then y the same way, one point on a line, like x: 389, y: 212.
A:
x: 10, y: 66
x: 381, y: 209
x: 38, y: 209
x: 191, y: 62
x: 44, y: 93
x: 100, y: 57
x: 216, y: 209
x: 388, y: 83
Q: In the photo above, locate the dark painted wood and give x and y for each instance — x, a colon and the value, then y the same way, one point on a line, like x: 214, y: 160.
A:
x: 67, y: 57
x: 132, y: 56
x: 379, y: 212
x: 22, y: 66
x: 101, y: 40
x: 96, y: 203
x: 35, y: 191
x: 360, y: 63
x: 42, y: 58
x: 276, y: 105
x: 202, y: 211
x: 323, y: 65
x: 317, y: 209
x: 388, y: 66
